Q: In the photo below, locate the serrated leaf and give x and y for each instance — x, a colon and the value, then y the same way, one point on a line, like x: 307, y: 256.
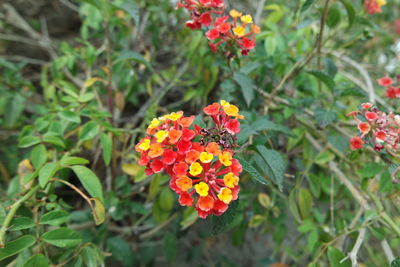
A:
x: 28, y: 141
x: 246, y: 85
x: 106, y: 144
x: 62, y: 237
x: 220, y: 223
x: 47, y: 172
x: 55, y: 217
x: 274, y: 163
x: 37, y: 260
x: 395, y: 263
x: 16, y: 246
x: 90, y: 181
x: 326, y: 79
x: 324, y: 117
x: 251, y: 170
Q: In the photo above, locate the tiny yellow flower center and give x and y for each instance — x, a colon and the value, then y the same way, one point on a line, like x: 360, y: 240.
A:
x: 206, y: 157
x: 225, y: 195
x: 195, y: 169
x: 246, y: 19
x: 202, y: 189
x: 230, y: 180
x: 239, y: 31
x: 161, y: 135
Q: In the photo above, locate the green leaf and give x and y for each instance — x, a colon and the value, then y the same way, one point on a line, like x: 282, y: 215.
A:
x: 305, y: 203
x: 38, y: 156
x: 62, y: 237
x: 89, y: 257
x: 70, y: 116
x: 89, y: 131
x: 120, y: 250
x: 89, y: 181
x: 47, y: 172
x: 21, y: 223
x: 270, y: 45
x: 351, y: 12
x: 274, y: 163
x: 54, y: 140
x: 28, y: 141
x: 222, y: 222
x: 13, y: 110
x: 335, y: 256
x: 246, y: 84
x: 68, y: 161
x: 251, y: 170
x: 334, y: 16
x: 324, y: 157
x: 170, y: 246
x: 106, y: 144
x: 395, y: 263
x: 55, y: 217
x: 37, y: 260
x: 326, y: 79
x: 324, y: 117
x: 166, y: 199
x: 16, y: 246
x: 132, y: 55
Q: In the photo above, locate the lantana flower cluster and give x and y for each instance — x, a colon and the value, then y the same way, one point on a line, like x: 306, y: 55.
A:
x: 225, y: 33
x: 376, y: 127
x: 198, y: 160
x: 392, y: 89
x: 374, y: 6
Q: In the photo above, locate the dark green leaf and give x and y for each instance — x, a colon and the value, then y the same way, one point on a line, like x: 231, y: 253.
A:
x: 70, y: 116
x: 252, y: 171
x: 274, y: 163
x: 28, y: 141
x: 246, y: 84
x: 106, y: 144
x: 62, y: 237
x: 333, y: 16
x: 16, y: 246
x: 89, y: 131
x: 326, y: 79
x: 37, y: 260
x: 120, y: 250
x: 306, y: 5
x: 55, y: 217
x: 335, y: 257
x: 170, y: 246
x: 47, y: 172
x: 54, y: 140
x: 324, y: 117
x: 20, y: 223
x: 89, y: 181
x: 395, y: 263
x: 351, y: 12
x: 222, y: 222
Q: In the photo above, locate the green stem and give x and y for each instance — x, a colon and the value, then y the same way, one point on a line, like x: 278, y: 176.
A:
x: 389, y: 221
x: 11, y: 213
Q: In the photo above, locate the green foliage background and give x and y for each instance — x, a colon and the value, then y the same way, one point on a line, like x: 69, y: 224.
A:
x: 80, y: 81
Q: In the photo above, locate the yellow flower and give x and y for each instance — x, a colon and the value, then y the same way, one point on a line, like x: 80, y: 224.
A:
x: 145, y: 145
x: 161, y: 135
x: 174, y: 116
x: 239, y: 31
x: 195, y: 169
x: 234, y: 13
x: 154, y: 123
x: 225, y: 158
x: 206, y: 157
x: 246, y: 19
x: 230, y: 180
x: 225, y: 195
x: 231, y: 110
x: 202, y: 189
x: 224, y: 103
x: 381, y: 2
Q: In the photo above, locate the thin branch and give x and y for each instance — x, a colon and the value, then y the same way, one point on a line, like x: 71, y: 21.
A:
x: 353, y: 253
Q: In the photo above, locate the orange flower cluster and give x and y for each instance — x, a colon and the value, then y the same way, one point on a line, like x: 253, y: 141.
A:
x: 374, y: 6
x: 226, y: 33
x: 199, y: 161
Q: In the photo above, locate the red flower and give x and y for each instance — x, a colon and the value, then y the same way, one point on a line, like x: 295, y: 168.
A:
x: 205, y: 203
x: 356, y: 143
x: 364, y: 127
x: 212, y: 109
x: 183, y: 146
x: 213, y: 47
x: 366, y: 105
x: 180, y: 168
x: 185, y: 199
x: 169, y: 156
x: 372, y: 7
x: 185, y: 122
x: 233, y: 126
x: 212, y: 34
x: 205, y: 19
x: 391, y: 92
x: 188, y: 134
x: 219, y: 207
x: 381, y: 135
x: 157, y: 166
x: 385, y: 81
x: 247, y: 43
x: 194, y: 25
x: 224, y: 27
x: 371, y: 116
x: 220, y: 20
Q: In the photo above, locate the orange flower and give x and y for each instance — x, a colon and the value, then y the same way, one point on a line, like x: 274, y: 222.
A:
x: 174, y: 135
x: 184, y: 183
x: 213, y: 148
x: 155, y: 150
x: 205, y: 203
x: 192, y: 156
